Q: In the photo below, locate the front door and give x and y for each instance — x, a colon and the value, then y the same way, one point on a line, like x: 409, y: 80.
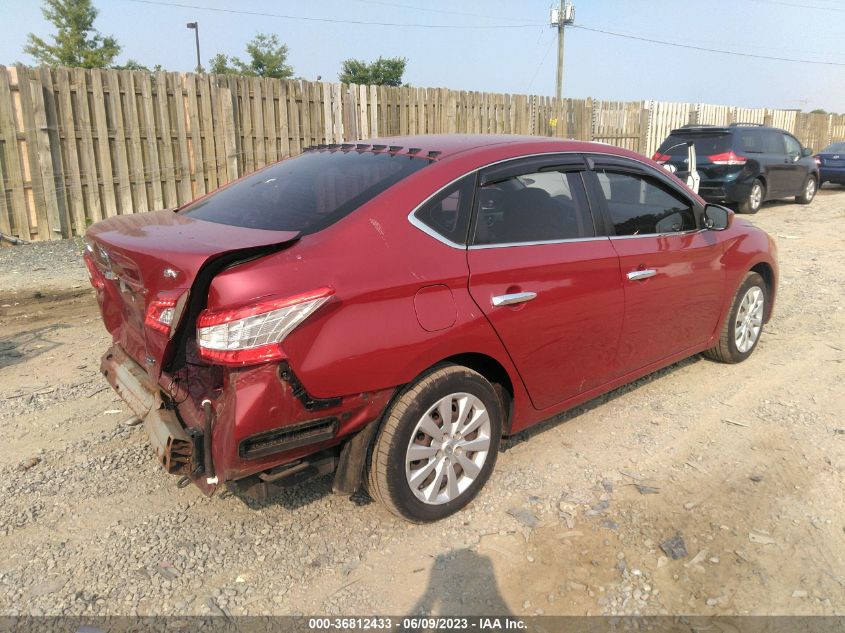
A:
x: 547, y: 282
x: 671, y: 271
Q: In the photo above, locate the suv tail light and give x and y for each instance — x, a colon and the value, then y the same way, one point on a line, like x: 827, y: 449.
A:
x: 661, y: 158
x: 818, y: 160
x: 251, y: 334
x: 727, y: 158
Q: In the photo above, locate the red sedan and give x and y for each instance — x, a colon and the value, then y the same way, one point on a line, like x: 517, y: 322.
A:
x: 388, y: 310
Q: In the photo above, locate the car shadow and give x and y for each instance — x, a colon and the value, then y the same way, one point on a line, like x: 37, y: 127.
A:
x: 461, y: 582
x: 570, y: 414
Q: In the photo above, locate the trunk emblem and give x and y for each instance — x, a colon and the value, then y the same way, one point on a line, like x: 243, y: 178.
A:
x: 169, y: 273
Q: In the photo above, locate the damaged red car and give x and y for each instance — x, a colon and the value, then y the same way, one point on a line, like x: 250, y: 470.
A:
x: 388, y: 310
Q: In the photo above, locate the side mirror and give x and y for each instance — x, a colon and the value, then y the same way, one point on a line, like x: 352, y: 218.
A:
x: 806, y: 152
x: 716, y: 218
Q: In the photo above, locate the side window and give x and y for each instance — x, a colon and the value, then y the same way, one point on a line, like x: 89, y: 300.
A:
x: 793, y: 147
x: 448, y: 212
x: 772, y: 142
x: 750, y: 141
x: 536, y: 207
x: 639, y: 205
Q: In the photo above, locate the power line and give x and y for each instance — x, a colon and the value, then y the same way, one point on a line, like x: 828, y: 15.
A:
x: 335, y: 20
x: 708, y: 50
x: 444, y: 11
x: 800, y: 6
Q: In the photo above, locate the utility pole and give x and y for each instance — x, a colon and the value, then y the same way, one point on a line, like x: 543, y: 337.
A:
x: 561, y: 15
x: 196, y: 27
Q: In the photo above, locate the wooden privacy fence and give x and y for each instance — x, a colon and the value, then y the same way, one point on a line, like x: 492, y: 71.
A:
x: 80, y: 145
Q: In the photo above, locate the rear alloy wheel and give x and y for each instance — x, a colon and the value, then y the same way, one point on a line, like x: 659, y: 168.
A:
x: 809, y: 191
x: 755, y: 198
x: 437, y: 445
x: 744, y: 324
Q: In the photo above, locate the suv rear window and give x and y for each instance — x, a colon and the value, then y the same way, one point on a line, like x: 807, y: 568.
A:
x: 706, y: 144
x: 306, y: 193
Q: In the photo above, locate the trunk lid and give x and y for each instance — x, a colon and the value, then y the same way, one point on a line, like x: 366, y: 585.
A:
x: 153, y: 256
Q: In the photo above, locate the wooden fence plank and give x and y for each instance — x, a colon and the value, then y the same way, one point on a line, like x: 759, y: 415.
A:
x: 101, y: 125
x: 19, y: 221
x: 61, y: 222
x: 209, y: 150
x: 87, y: 160
x: 181, y: 115
x: 150, y: 129
x: 134, y: 151
x: 31, y: 130
x: 124, y: 183
x: 229, y: 126
x: 195, y: 137
x: 166, y: 163
x: 73, y: 179
x: 258, y: 123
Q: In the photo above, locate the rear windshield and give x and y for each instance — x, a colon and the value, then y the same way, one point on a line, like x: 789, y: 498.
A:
x: 306, y: 193
x: 834, y: 148
x: 705, y: 144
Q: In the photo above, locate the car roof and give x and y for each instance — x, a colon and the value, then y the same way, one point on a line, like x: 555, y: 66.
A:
x: 447, y: 145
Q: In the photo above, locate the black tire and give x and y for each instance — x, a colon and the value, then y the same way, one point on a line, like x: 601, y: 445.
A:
x: 753, y: 202
x: 387, y: 480
x: 808, y: 192
x: 726, y: 350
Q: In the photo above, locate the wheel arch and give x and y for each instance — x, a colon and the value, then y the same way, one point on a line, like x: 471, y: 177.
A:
x: 765, y: 270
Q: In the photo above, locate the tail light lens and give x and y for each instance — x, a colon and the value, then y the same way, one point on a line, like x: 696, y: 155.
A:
x: 164, y: 311
x: 727, y: 158
x: 818, y: 160
x: 661, y: 158
x: 251, y: 334
x: 95, y: 275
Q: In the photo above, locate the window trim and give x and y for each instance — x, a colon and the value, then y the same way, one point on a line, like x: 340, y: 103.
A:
x: 425, y: 228
x: 566, y: 168
x: 591, y: 159
x: 598, y: 202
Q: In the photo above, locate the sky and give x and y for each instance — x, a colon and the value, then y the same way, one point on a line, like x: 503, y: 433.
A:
x: 518, y: 58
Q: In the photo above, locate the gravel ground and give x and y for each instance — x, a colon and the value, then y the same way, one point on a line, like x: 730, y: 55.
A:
x: 701, y: 489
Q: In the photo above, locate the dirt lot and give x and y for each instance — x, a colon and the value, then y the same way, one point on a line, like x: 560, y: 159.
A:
x: 745, y: 463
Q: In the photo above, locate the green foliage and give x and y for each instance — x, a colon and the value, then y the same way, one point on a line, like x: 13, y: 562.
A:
x: 132, y: 64
x: 267, y: 57
x: 385, y: 71
x: 76, y: 42
x: 818, y: 111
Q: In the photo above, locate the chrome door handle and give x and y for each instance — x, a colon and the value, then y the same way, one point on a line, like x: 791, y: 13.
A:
x: 636, y: 275
x: 511, y: 299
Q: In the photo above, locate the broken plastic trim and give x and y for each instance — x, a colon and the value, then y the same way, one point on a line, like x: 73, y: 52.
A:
x: 308, y: 401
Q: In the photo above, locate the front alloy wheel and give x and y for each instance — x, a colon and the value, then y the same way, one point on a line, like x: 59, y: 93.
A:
x: 809, y: 191
x: 744, y: 323
x: 437, y: 444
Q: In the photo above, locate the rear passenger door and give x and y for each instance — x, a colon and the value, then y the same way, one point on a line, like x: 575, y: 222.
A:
x: 545, y: 278
x: 671, y: 271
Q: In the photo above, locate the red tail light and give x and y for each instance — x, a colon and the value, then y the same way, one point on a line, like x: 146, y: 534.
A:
x: 95, y: 275
x: 727, y: 158
x: 164, y: 311
x: 661, y: 158
x: 251, y: 334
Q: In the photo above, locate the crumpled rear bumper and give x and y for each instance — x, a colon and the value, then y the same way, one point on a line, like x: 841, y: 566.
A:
x: 176, y: 448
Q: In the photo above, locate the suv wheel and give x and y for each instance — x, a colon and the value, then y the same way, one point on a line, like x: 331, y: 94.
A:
x: 744, y: 324
x: 809, y: 191
x: 437, y: 445
x: 755, y: 198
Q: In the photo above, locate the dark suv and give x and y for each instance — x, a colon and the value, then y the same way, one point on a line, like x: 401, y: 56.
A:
x: 744, y: 163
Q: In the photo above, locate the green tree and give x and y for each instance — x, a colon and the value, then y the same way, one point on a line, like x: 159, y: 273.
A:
x: 818, y: 111
x: 267, y: 58
x: 385, y: 71
x: 76, y: 42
